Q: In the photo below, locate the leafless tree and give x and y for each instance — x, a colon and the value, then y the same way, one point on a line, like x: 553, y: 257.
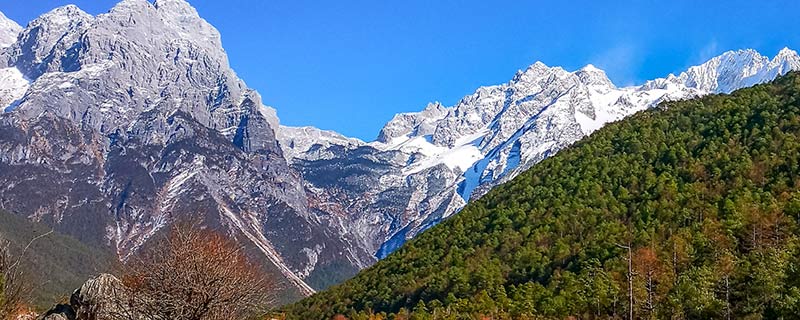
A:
x: 629, y: 276
x: 10, y: 288
x: 14, y: 287
x: 193, y: 274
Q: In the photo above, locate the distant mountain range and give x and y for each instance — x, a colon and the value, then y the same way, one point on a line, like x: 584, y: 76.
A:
x: 116, y: 125
x: 689, y: 210
x: 426, y: 165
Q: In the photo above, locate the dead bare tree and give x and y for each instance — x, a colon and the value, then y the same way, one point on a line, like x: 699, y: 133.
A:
x: 194, y: 274
x: 9, y: 288
x: 629, y: 277
x: 14, y: 291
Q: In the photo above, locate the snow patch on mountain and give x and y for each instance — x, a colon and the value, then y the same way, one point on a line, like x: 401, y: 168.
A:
x: 188, y: 22
x: 9, y: 29
x: 412, y: 123
x: 252, y: 232
x: 460, y: 157
x: 298, y: 141
x: 13, y: 86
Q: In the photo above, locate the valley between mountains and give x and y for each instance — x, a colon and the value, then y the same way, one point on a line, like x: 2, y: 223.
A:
x: 115, y: 126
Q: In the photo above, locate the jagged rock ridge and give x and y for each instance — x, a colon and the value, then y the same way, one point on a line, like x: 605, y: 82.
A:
x: 425, y: 166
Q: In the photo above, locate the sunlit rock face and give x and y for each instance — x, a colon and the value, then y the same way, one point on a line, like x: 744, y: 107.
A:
x: 425, y: 166
x: 115, y: 126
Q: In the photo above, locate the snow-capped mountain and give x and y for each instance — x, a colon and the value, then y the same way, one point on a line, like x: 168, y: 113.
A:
x: 492, y: 135
x: 9, y: 29
x: 114, y: 126
x: 12, y: 83
x: 306, y: 141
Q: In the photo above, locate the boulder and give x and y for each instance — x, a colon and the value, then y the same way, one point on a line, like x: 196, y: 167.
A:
x: 97, y: 299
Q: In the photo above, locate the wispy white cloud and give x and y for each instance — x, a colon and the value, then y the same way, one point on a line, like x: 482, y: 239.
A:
x: 621, y: 63
x: 709, y: 51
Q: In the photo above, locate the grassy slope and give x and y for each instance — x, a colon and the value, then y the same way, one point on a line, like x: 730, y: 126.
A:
x: 57, y: 264
x: 705, y: 192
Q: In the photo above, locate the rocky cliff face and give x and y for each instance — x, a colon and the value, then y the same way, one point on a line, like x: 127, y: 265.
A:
x: 425, y: 166
x: 117, y: 125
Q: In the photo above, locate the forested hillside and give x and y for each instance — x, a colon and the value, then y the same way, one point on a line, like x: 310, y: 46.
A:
x: 55, y: 264
x: 689, y: 210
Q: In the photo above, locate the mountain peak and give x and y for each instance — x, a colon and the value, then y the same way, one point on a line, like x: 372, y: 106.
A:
x: 9, y: 29
x: 60, y: 16
x: 743, y: 56
x: 535, y: 70
x: 537, y: 66
x: 6, y: 21
x: 591, y: 75
x: 52, y: 30
x: 436, y: 105
x: 786, y: 51
x: 130, y: 5
x: 188, y: 21
x: 728, y: 71
x: 162, y: 3
x: 787, y: 59
x: 786, y: 54
x: 740, y: 57
x: 176, y: 20
x: 591, y: 68
x: 176, y: 6
x: 297, y: 141
x: 748, y: 52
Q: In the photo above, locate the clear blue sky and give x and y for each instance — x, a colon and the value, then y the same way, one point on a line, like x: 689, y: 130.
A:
x: 351, y: 65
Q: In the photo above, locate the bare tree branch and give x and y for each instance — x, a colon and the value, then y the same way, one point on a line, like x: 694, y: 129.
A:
x: 193, y: 274
x: 25, y: 250
x: 14, y: 291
